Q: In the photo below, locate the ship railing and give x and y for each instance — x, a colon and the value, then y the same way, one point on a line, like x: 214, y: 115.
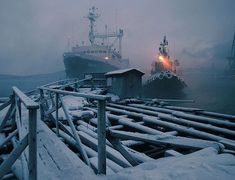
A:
x: 14, y: 118
x: 50, y: 105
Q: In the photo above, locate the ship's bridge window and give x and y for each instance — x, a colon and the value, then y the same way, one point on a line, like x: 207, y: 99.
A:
x: 92, y: 51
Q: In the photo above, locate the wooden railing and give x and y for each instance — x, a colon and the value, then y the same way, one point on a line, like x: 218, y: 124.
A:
x: 14, y: 114
x: 101, y: 120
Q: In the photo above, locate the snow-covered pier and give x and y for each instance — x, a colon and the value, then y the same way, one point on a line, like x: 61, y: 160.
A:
x: 81, y: 132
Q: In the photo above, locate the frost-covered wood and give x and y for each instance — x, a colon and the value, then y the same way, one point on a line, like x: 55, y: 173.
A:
x: 167, y: 140
x: 27, y: 101
x: 189, y: 131
x: 76, y: 137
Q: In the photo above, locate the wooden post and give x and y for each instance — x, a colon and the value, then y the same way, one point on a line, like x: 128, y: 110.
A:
x: 101, y: 137
x: 41, y: 105
x: 6, y: 165
x: 32, y: 164
x: 57, y: 113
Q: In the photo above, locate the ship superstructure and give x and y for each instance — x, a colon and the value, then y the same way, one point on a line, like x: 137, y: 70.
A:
x: 100, y: 56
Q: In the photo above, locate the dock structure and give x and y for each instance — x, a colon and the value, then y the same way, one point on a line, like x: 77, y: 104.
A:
x: 77, y: 135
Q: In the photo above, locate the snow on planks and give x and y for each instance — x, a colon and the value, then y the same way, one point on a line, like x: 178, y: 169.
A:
x: 55, y: 159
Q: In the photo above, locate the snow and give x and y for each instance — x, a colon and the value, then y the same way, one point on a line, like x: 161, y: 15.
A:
x: 74, y: 103
x: 122, y: 71
x: 75, y: 106
x: 205, y: 164
x: 114, y: 98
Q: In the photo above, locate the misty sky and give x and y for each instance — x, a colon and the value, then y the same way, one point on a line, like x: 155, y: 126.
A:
x: 34, y: 34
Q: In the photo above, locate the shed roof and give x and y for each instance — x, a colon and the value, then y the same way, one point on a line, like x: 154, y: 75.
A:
x: 123, y: 71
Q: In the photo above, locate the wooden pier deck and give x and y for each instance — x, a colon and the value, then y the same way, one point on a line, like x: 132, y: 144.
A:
x: 56, y: 160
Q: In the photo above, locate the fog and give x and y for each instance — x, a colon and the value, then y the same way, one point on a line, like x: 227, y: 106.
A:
x: 34, y: 34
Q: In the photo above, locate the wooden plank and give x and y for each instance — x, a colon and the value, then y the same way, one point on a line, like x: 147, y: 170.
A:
x: 55, y: 159
x: 2, y: 106
x: 29, y: 103
x: 101, y: 132
x: 189, y: 131
x: 90, y: 152
x: 118, y: 146
x: 167, y: 140
x: 14, y: 155
x: 75, y: 135
x: 89, y: 96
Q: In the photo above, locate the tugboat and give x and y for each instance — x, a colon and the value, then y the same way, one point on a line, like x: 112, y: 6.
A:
x: 163, y: 77
x: 101, y: 56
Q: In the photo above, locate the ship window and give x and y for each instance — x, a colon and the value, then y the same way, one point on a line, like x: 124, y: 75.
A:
x: 96, y: 51
x: 88, y: 51
x: 105, y: 51
x: 92, y: 51
x: 100, y: 51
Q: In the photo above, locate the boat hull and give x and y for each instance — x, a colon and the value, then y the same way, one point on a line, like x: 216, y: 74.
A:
x: 77, y: 66
x: 163, y: 84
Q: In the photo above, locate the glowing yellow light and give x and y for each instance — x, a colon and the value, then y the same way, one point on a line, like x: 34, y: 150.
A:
x: 161, y: 58
x: 106, y: 58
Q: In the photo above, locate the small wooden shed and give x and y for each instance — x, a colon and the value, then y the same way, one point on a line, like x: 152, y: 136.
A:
x: 125, y: 83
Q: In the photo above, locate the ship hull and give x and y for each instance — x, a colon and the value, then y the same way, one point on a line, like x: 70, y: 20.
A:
x: 77, y: 66
x: 163, y: 84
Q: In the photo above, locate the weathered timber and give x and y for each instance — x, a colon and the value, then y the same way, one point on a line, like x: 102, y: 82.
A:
x: 56, y: 160
x: 118, y: 146
x: 151, y: 111
x: 4, y: 105
x: 91, y: 133
x: 95, y: 163
x: 167, y: 140
x: 198, y: 125
x: 130, y: 123
x: 172, y: 152
x: 75, y: 135
x: 8, y: 138
x: 9, y: 113
x: 14, y: 155
x: 29, y: 103
x: 89, y: 96
x: 218, y: 115
x: 111, y: 153
x: 90, y: 152
x: 189, y: 131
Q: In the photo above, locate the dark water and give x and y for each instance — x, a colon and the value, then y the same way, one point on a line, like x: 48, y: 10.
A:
x: 210, y: 91
x: 26, y: 83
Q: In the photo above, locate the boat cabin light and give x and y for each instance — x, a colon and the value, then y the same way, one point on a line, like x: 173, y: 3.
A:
x: 161, y: 58
x: 106, y: 58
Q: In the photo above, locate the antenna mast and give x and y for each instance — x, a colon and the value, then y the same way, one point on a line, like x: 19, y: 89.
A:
x: 92, y: 16
x: 231, y: 58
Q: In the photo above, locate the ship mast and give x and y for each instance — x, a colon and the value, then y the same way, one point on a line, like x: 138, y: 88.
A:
x: 231, y: 58
x: 92, y: 16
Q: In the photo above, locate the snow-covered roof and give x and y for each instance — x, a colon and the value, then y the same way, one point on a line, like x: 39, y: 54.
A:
x: 123, y: 71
